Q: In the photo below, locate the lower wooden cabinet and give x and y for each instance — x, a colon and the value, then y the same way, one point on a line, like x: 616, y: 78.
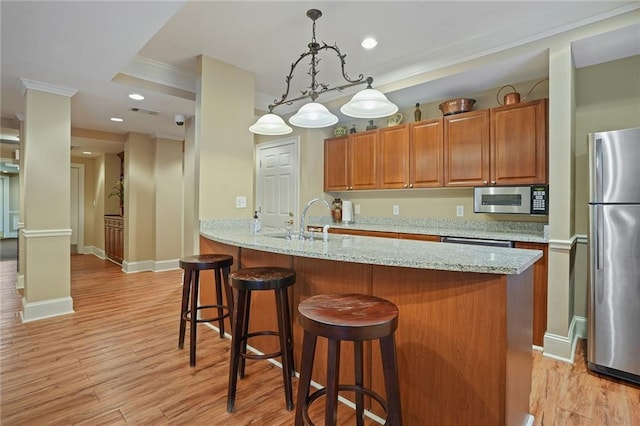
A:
x: 420, y: 237
x: 114, y: 238
x: 540, y: 269
x: 363, y: 233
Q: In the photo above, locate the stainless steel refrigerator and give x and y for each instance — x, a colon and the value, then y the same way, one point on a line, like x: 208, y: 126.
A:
x: 614, y: 253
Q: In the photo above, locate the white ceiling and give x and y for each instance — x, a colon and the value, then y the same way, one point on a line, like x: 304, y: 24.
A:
x: 108, y: 49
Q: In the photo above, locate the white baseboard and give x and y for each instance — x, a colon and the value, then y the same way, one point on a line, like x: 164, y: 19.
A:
x: 581, y: 326
x: 167, y: 265
x: 563, y: 348
x: 46, y: 309
x: 150, y: 265
x: 20, y: 281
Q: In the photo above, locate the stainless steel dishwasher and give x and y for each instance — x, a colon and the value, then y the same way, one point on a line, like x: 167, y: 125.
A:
x: 477, y: 242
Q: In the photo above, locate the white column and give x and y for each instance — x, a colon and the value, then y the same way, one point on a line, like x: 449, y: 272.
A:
x: 560, y: 338
x: 46, y: 172
x: 219, y: 149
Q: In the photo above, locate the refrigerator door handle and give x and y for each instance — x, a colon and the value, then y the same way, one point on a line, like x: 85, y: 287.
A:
x: 599, y: 170
x: 599, y: 234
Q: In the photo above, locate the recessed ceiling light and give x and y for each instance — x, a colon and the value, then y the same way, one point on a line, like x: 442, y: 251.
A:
x: 136, y: 96
x: 87, y: 152
x: 369, y: 43
x: 116, y: 119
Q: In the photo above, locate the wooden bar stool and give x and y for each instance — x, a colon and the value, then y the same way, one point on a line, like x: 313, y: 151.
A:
x: 192, y: 265
x: 244, y: 281
x: 353, y: 317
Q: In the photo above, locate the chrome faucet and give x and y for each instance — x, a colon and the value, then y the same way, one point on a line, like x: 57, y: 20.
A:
x: 304, y: 214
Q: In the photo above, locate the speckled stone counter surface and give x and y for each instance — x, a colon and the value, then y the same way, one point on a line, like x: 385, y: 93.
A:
x: 376, y: 251
x: 499, y: 230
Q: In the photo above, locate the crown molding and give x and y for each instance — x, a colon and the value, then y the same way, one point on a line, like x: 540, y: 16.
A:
x: 161, y: 73
x: 46, y: 87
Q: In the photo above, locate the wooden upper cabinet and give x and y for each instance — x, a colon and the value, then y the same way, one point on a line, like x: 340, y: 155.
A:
x: 426, y: 154
x: 519, y: 143
x: 411, y: 155
x: 394, y: 157
x: 336, y: 164
x: 507, y: 145
x: 466, y: 149
x: 363, y: 160
x: 351, y: 162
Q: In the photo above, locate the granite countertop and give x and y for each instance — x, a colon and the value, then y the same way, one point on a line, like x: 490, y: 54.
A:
x: 373, y: 250
x: 499, y: 230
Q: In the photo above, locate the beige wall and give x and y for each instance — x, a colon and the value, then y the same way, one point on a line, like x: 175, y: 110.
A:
x: 607, y: 98
x: 46, y: 162
x: 168, y: 198
x: 111, y: 177
x: 139, y: 206
x: 226, y: 155
x: 14, y: 192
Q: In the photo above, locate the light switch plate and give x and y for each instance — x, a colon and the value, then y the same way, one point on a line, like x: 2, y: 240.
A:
x: 396, y: 209
x: 241, y: 202
x: 357, y: 208
x: 459, y: 211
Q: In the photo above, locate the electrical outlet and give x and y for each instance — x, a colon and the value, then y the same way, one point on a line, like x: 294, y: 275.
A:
x: 357, y: 208
x: 459, y: 211
x: 241, y: 202
x: 396, y: 209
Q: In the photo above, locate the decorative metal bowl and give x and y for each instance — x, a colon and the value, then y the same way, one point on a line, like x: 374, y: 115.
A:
x: 456, y: 106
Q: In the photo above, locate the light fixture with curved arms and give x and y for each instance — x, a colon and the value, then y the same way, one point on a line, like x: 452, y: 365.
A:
x: 368, y: 103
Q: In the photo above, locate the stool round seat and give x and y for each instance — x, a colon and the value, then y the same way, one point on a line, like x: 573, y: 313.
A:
x: 220, y: 264
x: 201, y: 262
x: 245, y: 281
x: 262, y: 278
x: 348, y: 316
x: 356, y: 318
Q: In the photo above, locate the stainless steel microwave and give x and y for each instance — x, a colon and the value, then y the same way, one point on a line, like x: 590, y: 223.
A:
x: 530, y: 199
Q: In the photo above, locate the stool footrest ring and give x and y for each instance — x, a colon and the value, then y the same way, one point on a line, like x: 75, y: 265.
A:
x: 349, y: 388
x: 187, y: 313
x: 259, y: 356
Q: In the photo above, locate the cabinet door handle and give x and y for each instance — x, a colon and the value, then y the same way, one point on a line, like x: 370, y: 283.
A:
x: 493, y: 182
x: 485, y: 182
x: 405, y: 185
x: 410, y: 185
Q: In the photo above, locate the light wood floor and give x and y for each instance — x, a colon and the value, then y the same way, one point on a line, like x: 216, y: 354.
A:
x: 115, y: 361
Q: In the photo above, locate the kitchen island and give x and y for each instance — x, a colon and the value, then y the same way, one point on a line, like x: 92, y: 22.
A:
x: 465, y: 324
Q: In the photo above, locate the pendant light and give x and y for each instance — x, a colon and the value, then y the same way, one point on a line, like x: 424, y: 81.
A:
x: 270, y: 124
x: 312, y: 116
x: 368, y: 103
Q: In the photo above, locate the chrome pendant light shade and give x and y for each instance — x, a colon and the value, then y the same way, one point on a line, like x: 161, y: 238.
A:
x: 368, y: 103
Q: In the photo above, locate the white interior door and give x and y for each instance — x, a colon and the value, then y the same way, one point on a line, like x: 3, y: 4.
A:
x: 76, y: 219
x: 277, y: 174
x: 4, y: 202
